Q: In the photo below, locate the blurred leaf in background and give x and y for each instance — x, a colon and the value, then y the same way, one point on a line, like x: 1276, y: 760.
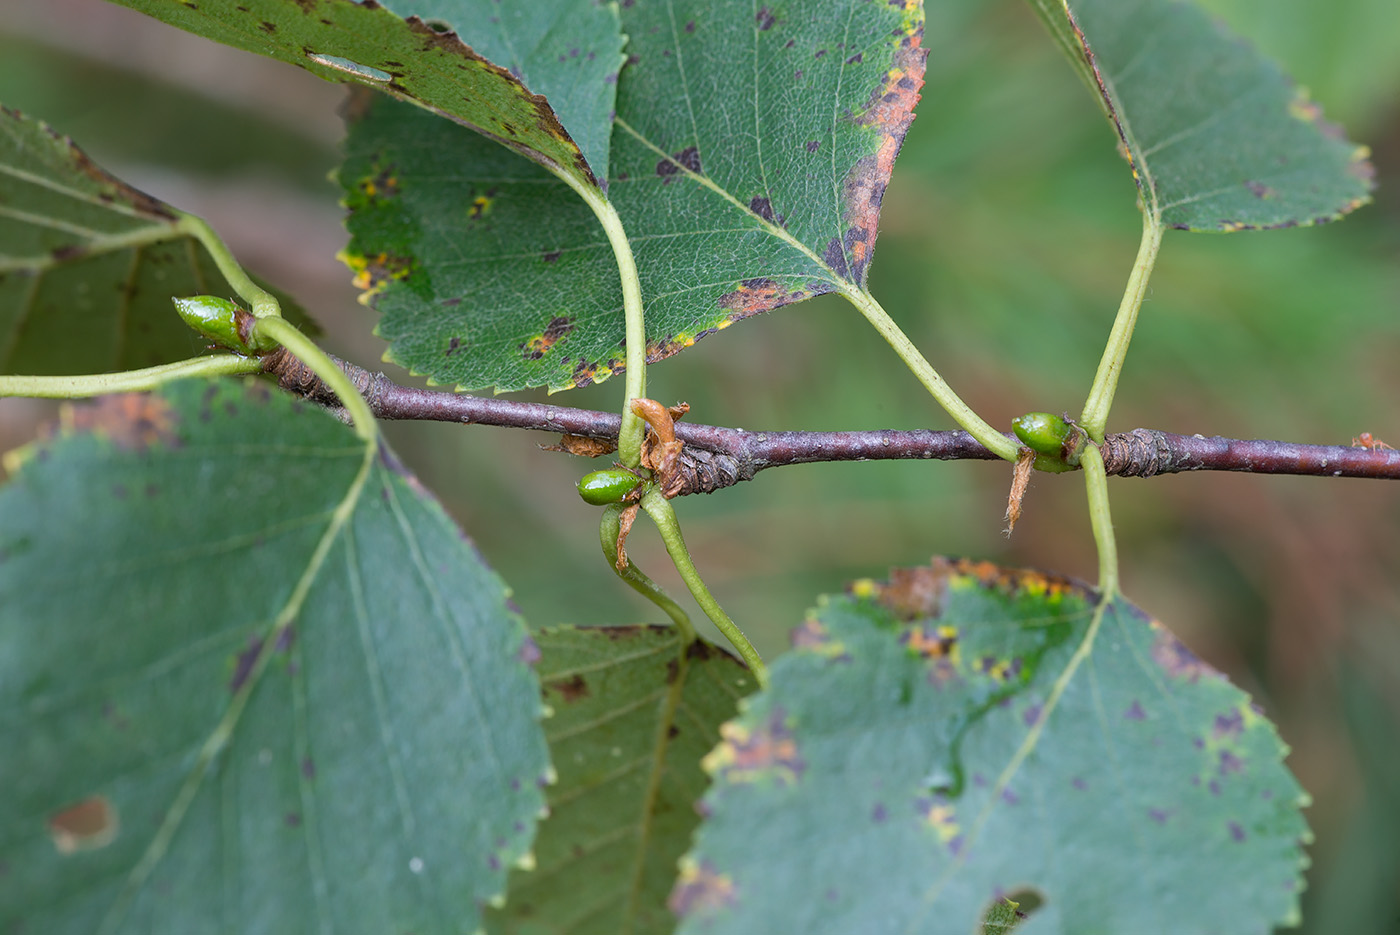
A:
x: 1007, y: 235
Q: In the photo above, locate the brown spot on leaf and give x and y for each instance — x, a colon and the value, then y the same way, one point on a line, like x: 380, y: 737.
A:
x: 83, y: 826
x: 912, y: 593
x: 539, y: 345
x: 701, y: 651
x: 762, y: 207
x: 131, y: 421
x: 552, y: 255
x: 373, y: 273
x: 766, y: 752
x: 1259, y: 189
x: 890, y: 111
x: 762, y: 295
x: 113, y: 188
x: 688, y: 158
x: 661, y: 348
x: 765, y: 19
x: 243, y: 664
x: 835, y: 257
x: 267, y: 27
x: 585, y: 373
x: 701, y: 890
x: 571, y: 689
x: 383, y: 184
x: 68, y: 252
x: 1173, y: 656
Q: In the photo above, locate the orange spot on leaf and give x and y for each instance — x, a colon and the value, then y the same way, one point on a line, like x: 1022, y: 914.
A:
x: 85, y: 826
x: 133, y: 421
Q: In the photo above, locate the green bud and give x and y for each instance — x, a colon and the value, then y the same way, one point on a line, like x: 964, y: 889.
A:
x: 1042, y: 432
x: 222, y: 321
x: 611, y: 485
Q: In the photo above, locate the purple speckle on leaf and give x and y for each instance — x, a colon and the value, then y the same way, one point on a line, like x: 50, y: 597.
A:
x: 1229, y: 763
x: 1230, y: 724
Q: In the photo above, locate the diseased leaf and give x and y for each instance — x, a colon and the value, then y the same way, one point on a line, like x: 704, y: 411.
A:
x: 751, y: 154
x: 1218, y: 137
x: 634, y: 712
x: 964, y: 732
x: 174, y: 760
x: 563, y: 50
x: 88, y: 264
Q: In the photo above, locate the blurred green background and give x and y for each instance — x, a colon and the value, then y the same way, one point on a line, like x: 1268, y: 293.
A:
x: 1007, y: 235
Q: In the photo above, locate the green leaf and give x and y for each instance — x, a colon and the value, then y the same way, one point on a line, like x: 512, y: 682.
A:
x: 188, y: 748
x: 570, y: 52
x: 635, y: 709
x: 751, y: 154
x: 1218, y: 138
x: 88, y: 264
x: 964, y: 732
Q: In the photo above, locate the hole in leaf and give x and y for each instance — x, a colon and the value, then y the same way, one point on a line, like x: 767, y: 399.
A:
x: 86, y: 826
x: 1006, y: 913
x: 438, y: 26
x: 364, y: 72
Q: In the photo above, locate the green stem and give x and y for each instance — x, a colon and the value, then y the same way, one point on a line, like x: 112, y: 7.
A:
x: 659, y: 509
x: 1101, y: 520
x: 629, y: 439
x: 976, y: 426
x: 260, y: 302
x: 607, y: 534
x: 128, y: 381
x: 1095, y: 417
x: 286, y: 334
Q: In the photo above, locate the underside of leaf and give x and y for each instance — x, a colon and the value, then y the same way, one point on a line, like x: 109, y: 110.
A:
x: 423, y: 62
x: 634, y: 710
x: 1218, y: 138
x: 88, y: 264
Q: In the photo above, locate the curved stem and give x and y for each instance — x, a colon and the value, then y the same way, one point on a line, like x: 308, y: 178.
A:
x: 1096, y: 485
x: 629, y: 441
x: 608, y: 531
x: 1095, y: 417
x: 659, y: 509
x: 286, y: 334
x: 260, y: 302
x: 975, y: 425
x: 128, y: 381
